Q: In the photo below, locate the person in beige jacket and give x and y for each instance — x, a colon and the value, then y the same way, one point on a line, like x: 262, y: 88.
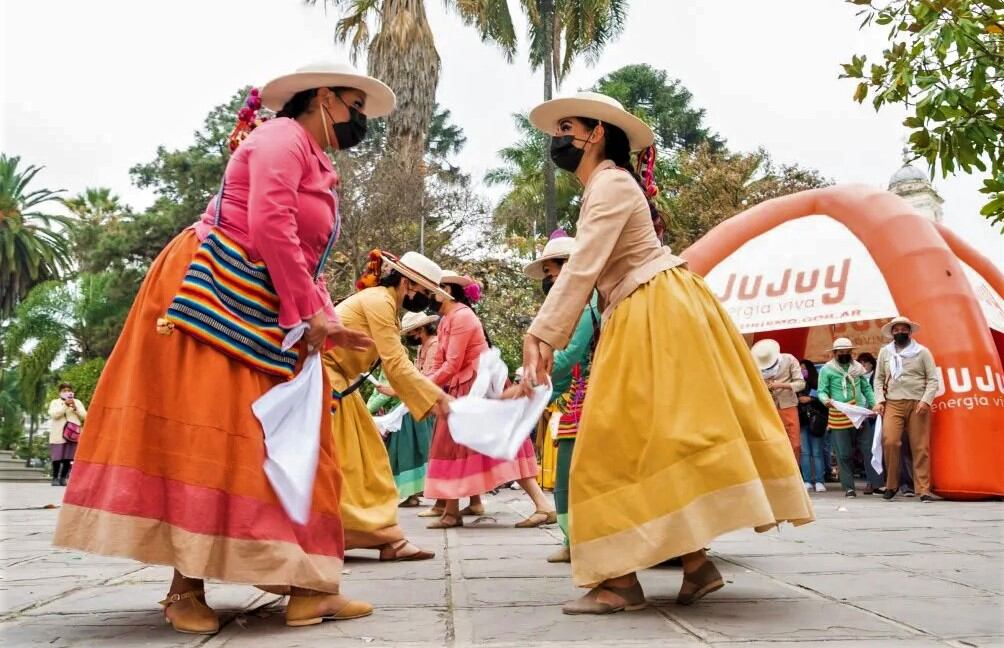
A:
x: 62, y: 410
x: 906, y: 383
x: 679, y: 441
x: 783, y: 376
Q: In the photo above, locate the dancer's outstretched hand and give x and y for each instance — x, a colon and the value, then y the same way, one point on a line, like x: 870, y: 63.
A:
x: 348, y: 338
x: 538, y: 360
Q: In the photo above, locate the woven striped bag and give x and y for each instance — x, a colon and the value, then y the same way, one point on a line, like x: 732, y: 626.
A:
x: 227, y: 301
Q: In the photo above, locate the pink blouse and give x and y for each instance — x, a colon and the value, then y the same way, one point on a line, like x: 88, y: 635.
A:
x: 461, y: 343
x: 280, y: 205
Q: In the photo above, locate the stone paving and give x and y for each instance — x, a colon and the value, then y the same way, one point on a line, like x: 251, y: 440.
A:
x: 868, y: 573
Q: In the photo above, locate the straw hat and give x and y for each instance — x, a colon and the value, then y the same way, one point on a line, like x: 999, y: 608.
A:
x: 412, y: 321
x: 843, y: 344
x: 380, y: 99
x: 420, y: 269
x: 887, y: 329
x: 608, y: 110
x: 449, y: 276
x: 766, y: 353
x: 556, y: 248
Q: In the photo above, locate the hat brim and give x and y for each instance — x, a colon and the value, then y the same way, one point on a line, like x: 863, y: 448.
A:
x: 461, y: 281
x: 844, y: 348
x: 887, y: 329
x: 380, y: 99
x: 535, y: 269
x: 417, y: 278
x: 428, y: 319
x: 547, y: 115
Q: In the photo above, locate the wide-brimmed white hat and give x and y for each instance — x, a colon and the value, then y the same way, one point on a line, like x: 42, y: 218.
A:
x: 412, y: 321
x: 843, y: 344
x: 380, y: 99
x: 557, y: 248
x: 420, y: 269
x: 608, y: 110
x: 766, y: 353
x: 449, y: 276
x: 887, y: 329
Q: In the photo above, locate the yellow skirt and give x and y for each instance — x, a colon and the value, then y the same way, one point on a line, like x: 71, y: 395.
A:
x: 369, y: 496
x: 679, y: 440
x: 548, y: 452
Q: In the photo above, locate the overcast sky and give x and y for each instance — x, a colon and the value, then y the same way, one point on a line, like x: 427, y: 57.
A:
x: 90, y: 88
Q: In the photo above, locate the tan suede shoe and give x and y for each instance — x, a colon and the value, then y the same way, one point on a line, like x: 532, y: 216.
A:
x: 563, y: 555
x: 631, y: 598
x: 313, y: 609
x: 189, y: 613
x: 705, y: 580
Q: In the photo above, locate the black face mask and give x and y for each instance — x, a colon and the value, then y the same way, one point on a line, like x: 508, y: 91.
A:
x: 547, y: 283
x: 565, y: 154
x: 413, y: 340
x: 351, y: 132
x: 844, y: 358
x: 902, y: 339
x: 416, y: 303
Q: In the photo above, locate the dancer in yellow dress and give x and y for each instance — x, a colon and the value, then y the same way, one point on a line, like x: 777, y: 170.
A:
x: 679, y: 441
x: 369, y: 496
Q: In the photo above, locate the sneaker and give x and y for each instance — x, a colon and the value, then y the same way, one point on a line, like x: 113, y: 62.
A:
x: 926, y: 499
x: 851, y: 493
x: 820, y: 487
x: 808, y: 486
x: 909, y: 493
x: 888, y: 494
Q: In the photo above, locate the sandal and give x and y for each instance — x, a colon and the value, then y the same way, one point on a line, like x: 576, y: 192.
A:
x: 550, y: 517
x: 305, y: 610
x: 563, y: 555
x: 472, y: 511
x: 431, y: 512
x: 633, y: 599
x: 395, y: 552
x: 411, y: 502
x: 188, y: 613
x: 703, y: 581
x: 443, y: 523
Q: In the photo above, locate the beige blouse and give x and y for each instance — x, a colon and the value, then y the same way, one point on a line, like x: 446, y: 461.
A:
x: 616, y: 252
x: 374, y: 312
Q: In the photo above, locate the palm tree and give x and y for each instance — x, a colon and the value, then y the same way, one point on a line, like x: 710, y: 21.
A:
x: 31, y: 251
x: 97, y: 205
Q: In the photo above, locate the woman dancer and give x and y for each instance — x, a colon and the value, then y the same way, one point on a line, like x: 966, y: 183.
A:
x: 408, y: 448
x: 679, y: 440
x: 369, y: 496
x: 170, y: 471
x: 456, y: 471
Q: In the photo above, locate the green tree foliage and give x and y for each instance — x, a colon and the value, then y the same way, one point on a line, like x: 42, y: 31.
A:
x: 33, y: 246
x: 945, y: 63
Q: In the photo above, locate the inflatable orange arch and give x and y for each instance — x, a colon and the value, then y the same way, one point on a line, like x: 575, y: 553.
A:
x: 920, y: 262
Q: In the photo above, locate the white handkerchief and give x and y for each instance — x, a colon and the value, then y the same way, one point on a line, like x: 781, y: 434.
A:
x: 290, y: 415
x: 391, y: 421
x: 491, y: 377
x: 497, y: 428
x: 853, y: 412
x: 877, y: 446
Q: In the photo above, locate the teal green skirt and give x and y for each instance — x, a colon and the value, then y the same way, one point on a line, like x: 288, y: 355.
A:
x: 408, y: 449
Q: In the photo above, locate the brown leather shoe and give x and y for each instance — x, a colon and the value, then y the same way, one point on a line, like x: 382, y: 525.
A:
x: 431, y: 512
x: 189, y: 613
x: 632, y: 598
x: 535, y: 520
x: 563, y: 555
x: 402, y: 550
x: 473, y: 511
x: 304, y: 610
x: 447, y: 521
x: 705, y: 580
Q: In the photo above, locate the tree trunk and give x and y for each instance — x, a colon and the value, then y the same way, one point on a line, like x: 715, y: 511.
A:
x: 550, y: 197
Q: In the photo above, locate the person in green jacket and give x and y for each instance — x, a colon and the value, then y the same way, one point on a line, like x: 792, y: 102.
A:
x: 844, y: 380
x: 569, y: 376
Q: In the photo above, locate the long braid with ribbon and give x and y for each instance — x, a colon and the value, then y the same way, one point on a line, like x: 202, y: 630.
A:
x: 645, y: 170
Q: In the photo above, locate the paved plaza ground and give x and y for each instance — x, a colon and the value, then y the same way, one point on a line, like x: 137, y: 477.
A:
x: 868, y: 573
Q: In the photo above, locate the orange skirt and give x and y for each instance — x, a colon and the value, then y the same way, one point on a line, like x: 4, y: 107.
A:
x: 169, y: 470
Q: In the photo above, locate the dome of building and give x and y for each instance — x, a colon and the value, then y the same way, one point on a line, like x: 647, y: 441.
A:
x: 907, y: 173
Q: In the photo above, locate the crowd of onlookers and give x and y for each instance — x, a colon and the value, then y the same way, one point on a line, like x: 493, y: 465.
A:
x: 831, y: 446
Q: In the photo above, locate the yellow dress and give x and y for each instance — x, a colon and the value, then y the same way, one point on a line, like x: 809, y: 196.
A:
x: 547, y: 450
x: 369, y: 496
x: 706, y: 452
